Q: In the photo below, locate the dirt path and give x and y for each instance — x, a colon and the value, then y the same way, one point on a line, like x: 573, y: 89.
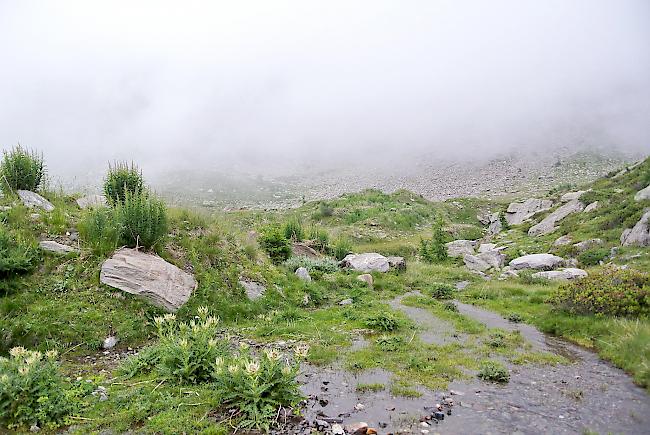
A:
x: 586, y: 394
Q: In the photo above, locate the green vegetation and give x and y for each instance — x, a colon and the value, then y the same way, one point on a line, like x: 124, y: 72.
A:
x: 17, y: 256
x: 21, y: 169
x: 275, y: 243
x: 122, y: 178
x: 293, y: 230
x: 100, y: 231
x: 434, y: 249
x: 493, y: 371
x: 142, y: 219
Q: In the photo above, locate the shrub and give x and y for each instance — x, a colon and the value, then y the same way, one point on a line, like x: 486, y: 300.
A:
x: 515, y: 318
x: 440, y: 290
x: 324, y: 210
x: 610, y: 291
x: 450, y: 306
x: 21, y: 169
x: 293, y: 230
x: 187, y: 351
x: 32, y: 391
x: 434, y: 250
x: 592, y: 257
x: 100, y: 230
x: 321, y: 239
x: 493, y: 371
x: 16, y: 256
x: 122, y: 178
x: 142, y: 219
x: 273, y: 241
x: 325, y: 265
x: 256, y: 387
x: 385, y: 321
x: 341, y: 248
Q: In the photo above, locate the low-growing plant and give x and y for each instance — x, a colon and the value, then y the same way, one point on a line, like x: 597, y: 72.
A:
x: 17, y: 257
x: 384, y: 321
x: 493, y: 371
x: 496, y: 339
x: 325, y: 265
x: 32, y: 390
x: 515, y: 318
x: 142, y: 218
x: 321, y: 239
x: 341, y: 248
x: 617, y: 292
x: 21, y: 169
x: 256, y: 387
x: 440, y: 290
x: 592, y: 257
x: 120, y: 179
x: 450, y: 306
x: 324, y: 210
x: 273, y: 241
x: 293, y: 230
x: 100, y: 231
x: 187, y: 351
x: 390, y: 343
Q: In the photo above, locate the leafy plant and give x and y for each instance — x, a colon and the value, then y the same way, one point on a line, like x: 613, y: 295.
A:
x: 21, y: 169
x: 17, y: 257
x: 610, y: 291
x: 122, y: 178
x: 390, y: 343
x: 385, y: 321
x: 341, y: 248
x: 293, y: 230
x: 274, y: 242
x: 493, y: 371
x: 321, y: 239
x: 325, y: 265
x: 592, y: 257
x: 32, y: 390
x: 142, y: 219
x: 441, y: 290
x: 100, y: 230
x: 257, y: 387
x: 515, y: 318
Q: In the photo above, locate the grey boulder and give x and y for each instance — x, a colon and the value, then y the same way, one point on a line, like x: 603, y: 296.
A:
x: 561, y: 275
x: 148, y: 276
x: 642, y: 194
x: 460, y: 248
x: 591, y: 207
x: 547, y: 225
x: 368, y: 262
x: 639, y: 235
x: 573, y: 196
x: 537, y: 262
x: 397, y: 263
x: 56, y: 247
x: 303, y: 274
x: 518, y: 212
x: 562, y: 241
x: 254, y: 290
x: 32, y: 199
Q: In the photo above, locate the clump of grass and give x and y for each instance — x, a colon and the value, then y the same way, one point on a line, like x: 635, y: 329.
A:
x: 494, y: 371
x: 100, y: 231
x: 293, y: 230
x: 142, y: 218
x: 17, y: 257
x: 370, y: 388
x: 21, y: 169
x: 440, y: 290
x: 321, y: 239
x: 592, y: 257
x: 390, y: 343
x: 384, y: 321
x: 273, y: 241
x: 341, y: 248
x: 515, y: 318
x: 122, y: 179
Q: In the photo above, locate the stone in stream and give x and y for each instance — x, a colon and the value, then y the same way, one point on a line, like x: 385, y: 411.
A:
x: 639, y: 235
x: 642, y: 194
x: 460, y: 248
x: 368, y: 262
x: 518, y: 212
x: 32, y: 199
x: 547, y: 225
x: 303, y: 274
x: 567, y: 274
x: 56, y: 247
x: 537, y: 261
x: 148, y: 276
x: 91, y: 201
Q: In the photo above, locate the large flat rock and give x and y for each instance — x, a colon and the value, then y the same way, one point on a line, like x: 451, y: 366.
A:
x: 148, y: 276
x: 32, y: 199
x: 561, y: 275
x: 639, y: 235
x: 518, y: 212
x: 547, y: 225
x: 642, y: 194
x: 537, y: 262
x: 368, y: 262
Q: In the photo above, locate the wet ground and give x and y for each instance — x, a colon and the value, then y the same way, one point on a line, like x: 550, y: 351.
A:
x: 586, y: 394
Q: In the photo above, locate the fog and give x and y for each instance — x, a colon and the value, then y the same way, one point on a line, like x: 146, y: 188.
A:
x: 260, y: 84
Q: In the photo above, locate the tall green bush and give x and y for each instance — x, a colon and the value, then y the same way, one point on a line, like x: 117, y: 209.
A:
x: 434, y: 250
x: 120, y: 180
x: 274, y: 242
x: 142, y: 218
x: 21, y: 169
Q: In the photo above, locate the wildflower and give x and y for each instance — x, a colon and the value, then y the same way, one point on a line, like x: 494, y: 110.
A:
x: 212, y: 342
x: 272, y: 354
x: 302, y: 350
x: 218, y: 362
x: 158, y: 320
x: 243, y: 345
x: 203, y: 311
x: 252, y: 367
x: 17, y: 351
x: 169, y: 317
x: 183, y: 343
x: 286, y: 370
x: 51, y: 354
x: 233, y: 369
x: 23, y: 370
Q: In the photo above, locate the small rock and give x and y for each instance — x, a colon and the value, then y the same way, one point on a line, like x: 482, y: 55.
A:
x: 253, y: 289
x: 33, y: 199
x: 397, y: 263
x: 462, y: 285
x: 439, y: 415
x: 55, y: 247
x: 359, y: 407
x: 367, y: 278
x: 34, y: 428
x: 337, y: 429
x: 303, y: 274
x: 562, y: 241
x: 360, y: 428
x: 346, y: 302
x: 642, y: 194
x: 591, y: 207
x: 110, y: 342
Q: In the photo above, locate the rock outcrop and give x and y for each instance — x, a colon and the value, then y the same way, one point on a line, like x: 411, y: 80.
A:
x: 573, y: 196
x: 561, y: 275
x: 518, y: 212
x: 547, y: 225
x: 90, y: 201
x: 639, y: 235
x: 148, y: 276
x: 537, y: 262
x: 460, y: 248
x: 642, y: 194
x: 483, y: 261
x: 32, y: 199
x: 56, y: 247
x: 368, y: 262
x: 591, y: 207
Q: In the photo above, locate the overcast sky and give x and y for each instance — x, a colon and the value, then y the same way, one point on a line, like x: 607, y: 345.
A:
x: 167, y: 83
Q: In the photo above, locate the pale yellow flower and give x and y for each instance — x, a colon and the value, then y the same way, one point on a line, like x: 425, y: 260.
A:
x: 51, y: 354
x: 272, y: 354
x: 17, y: 351
x: 252, y: 367
x: 233, y: 369
x: 23, y: 370
x: 302, y: 350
